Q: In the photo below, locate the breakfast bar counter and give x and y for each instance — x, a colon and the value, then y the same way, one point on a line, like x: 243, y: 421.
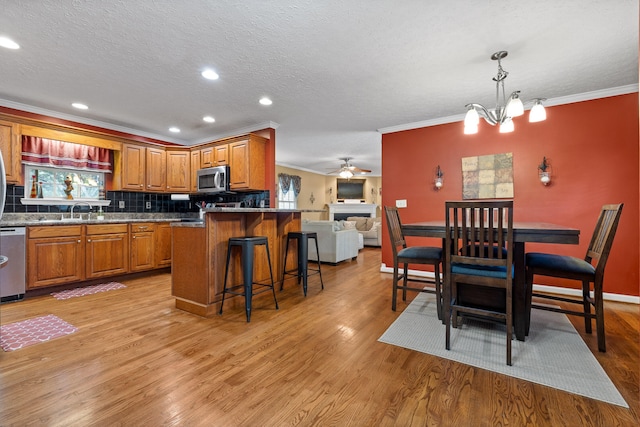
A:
x: 200, y: 251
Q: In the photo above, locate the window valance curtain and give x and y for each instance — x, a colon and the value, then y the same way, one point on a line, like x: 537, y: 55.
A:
x: 287, y: 180
x: 58, y: 154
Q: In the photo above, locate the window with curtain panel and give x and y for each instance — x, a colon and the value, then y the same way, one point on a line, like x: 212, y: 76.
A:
x: 48, y: 163
x: 289, y: 188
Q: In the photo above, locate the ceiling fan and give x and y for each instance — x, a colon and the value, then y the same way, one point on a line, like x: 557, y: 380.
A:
x: 347, y: 170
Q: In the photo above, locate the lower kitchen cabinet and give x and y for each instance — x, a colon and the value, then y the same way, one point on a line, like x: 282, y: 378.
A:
x: 63, y: 254
x: 55, y: 255
x: 107, y: 250
x: 142, y: 246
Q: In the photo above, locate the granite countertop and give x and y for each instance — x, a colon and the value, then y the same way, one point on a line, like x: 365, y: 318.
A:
x: 35, y: 219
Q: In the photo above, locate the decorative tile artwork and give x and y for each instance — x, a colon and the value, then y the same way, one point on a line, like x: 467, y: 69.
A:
x: 487, y: 177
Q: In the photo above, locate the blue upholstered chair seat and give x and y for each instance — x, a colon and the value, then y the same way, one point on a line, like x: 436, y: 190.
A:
x: 479, y: 270
x: 424, y: 252
x: 563, y: 263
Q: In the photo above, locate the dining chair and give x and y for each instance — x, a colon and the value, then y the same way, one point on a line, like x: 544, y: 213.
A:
x: 588, y: 270
x: 479, y: 260
x: 405, y: 255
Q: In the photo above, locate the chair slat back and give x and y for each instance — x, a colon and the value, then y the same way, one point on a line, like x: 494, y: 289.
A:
x: 481, y: 232
x: 603, y: 235
x: 395, y: 228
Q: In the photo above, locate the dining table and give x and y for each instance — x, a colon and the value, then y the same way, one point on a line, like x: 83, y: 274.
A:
x: 523, y: 232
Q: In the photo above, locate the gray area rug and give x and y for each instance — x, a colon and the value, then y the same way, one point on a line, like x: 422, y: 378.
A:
x: 553, y: 354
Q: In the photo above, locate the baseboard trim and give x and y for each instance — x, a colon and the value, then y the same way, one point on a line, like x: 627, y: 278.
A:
x: 539, y: 288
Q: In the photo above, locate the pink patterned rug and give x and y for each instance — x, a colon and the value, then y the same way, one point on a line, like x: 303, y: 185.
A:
x: 33, y: 331
x: 88, y: 290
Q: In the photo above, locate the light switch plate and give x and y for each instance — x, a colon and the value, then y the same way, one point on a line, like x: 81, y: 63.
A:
x: 121, y: 204
x: 401, y: 203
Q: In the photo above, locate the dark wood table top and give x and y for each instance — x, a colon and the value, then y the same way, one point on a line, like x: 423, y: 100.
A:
x: 540, y: 232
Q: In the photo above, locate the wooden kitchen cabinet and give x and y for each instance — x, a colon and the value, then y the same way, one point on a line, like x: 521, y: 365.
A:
x: 195, y: 166
x: 142, y: 246
x: 11, y: 147
x: 133, y: 167
x: 162, y: 236
x: 246, y: 161
x: 178, y: 170
x: 221, y: 154
x: 156, y: 169
x: 207, y: 158
x: 55, y: 255
x: 107, y: 250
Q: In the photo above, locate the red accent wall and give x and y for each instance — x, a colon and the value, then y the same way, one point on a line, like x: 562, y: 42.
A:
x: 593, y: 150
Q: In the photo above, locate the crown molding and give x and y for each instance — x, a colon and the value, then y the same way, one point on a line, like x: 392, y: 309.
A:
x: 586, y: 96
x: 241, y: 131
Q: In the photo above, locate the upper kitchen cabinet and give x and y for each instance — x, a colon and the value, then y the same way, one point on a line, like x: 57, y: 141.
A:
x: 156, y: 169
x: 133, y: 167
x: 221, y: 154
x: 10, y: 147
x: 195, y: 165
x: 246, y: 161
x: 206, y: 157
x: 178, y: 170
x: 143, y: 168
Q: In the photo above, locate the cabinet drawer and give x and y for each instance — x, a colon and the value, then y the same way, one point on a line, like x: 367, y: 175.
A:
x: 141, y: 227
x: 106, y: 229
x: 55, y: 231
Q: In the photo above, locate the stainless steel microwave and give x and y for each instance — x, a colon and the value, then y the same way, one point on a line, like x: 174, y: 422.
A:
x: 213, y: 180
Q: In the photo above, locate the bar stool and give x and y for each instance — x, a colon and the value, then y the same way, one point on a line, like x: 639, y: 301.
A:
x: 247, y: 245
x: 302, y: 271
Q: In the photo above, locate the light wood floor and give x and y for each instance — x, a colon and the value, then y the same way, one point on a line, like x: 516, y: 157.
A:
x: 137, y: 361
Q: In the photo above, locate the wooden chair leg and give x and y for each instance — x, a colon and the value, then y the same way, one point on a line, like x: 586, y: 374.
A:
x: 404, y: 282
x: 586, y: 305
x: 394, y: 296
x: 436, y: 270
x: 599, y: 303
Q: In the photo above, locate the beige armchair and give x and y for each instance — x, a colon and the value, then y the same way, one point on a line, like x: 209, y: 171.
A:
x: 334, y: 244
x: 370, y: 228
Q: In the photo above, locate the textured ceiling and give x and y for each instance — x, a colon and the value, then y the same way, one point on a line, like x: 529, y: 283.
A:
x: 337, y: 71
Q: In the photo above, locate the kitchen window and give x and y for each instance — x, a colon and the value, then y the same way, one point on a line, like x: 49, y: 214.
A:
x: 50, y: 182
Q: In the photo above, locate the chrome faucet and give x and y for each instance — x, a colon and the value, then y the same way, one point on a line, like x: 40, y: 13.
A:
x: 81, y: 203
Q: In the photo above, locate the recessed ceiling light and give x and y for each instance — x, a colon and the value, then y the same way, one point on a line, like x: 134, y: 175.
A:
x: 80, y: 106
x: 8, y: 43
x: 208, y: 119
x: 265, y: 101
x: 209, y: 74
x: 174, y: 129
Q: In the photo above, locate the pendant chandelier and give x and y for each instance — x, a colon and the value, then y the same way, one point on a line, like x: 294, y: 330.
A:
x: 506, y: 109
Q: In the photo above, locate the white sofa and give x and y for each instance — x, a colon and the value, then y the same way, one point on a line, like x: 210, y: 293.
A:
x: 335, y: 245
x: 369, y: 228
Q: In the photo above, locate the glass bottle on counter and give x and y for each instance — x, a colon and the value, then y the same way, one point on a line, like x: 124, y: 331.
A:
x: 34, y: 187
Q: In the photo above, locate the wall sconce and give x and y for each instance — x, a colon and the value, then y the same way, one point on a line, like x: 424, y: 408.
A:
x: 311, y: 198
x: 438, y: 182
x: 544, y: 171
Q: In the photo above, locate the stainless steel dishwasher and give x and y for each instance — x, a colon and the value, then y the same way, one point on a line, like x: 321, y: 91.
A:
x: 12, y: 272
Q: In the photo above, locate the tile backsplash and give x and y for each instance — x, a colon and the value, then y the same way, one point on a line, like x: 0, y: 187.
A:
x: 137, y: 202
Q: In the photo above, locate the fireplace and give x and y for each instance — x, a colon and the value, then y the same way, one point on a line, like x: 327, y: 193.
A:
x: 338, y: 211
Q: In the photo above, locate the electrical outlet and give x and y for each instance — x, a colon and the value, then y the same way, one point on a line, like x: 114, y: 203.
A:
x: 401, y: 203
x: 148, y: 205
x: 121, y: 204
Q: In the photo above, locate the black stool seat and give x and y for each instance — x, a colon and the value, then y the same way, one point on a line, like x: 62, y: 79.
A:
x: 302, y: 271
x: 247, y: 245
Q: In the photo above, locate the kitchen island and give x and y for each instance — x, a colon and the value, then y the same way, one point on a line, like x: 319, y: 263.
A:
x: 200, y: 251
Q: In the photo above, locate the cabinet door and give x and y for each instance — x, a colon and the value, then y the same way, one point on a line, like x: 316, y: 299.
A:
x: 141, y: 246
x: 10, y: 147
x: 221, y: 154
x: 156, y: 169
x: 163, y: 245
x: 206, y: 157
x: 178, y: 170
x: 195, y: 165
x: 107, y: 250
x: 54, y: 260
x: 133, y: 170
x: 246, y: 160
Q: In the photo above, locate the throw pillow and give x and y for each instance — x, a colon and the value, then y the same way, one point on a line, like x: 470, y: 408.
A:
x: 349, y: 225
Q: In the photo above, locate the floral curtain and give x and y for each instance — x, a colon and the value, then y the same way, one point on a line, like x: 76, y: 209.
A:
x: 287, y: 180
x: 51, y: 153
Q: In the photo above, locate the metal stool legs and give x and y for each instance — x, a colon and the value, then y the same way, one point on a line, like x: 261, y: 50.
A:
x: 302, y: 271
x: 247, y: 246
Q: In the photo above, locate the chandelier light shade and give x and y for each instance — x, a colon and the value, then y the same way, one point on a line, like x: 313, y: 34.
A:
x: 506, y: 107
x: 346, y: 174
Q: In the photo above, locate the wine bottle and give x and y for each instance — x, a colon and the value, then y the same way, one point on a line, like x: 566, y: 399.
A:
x: 34, y: 188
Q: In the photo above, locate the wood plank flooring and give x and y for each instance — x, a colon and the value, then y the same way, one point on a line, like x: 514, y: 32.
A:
x: 138, y: 361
